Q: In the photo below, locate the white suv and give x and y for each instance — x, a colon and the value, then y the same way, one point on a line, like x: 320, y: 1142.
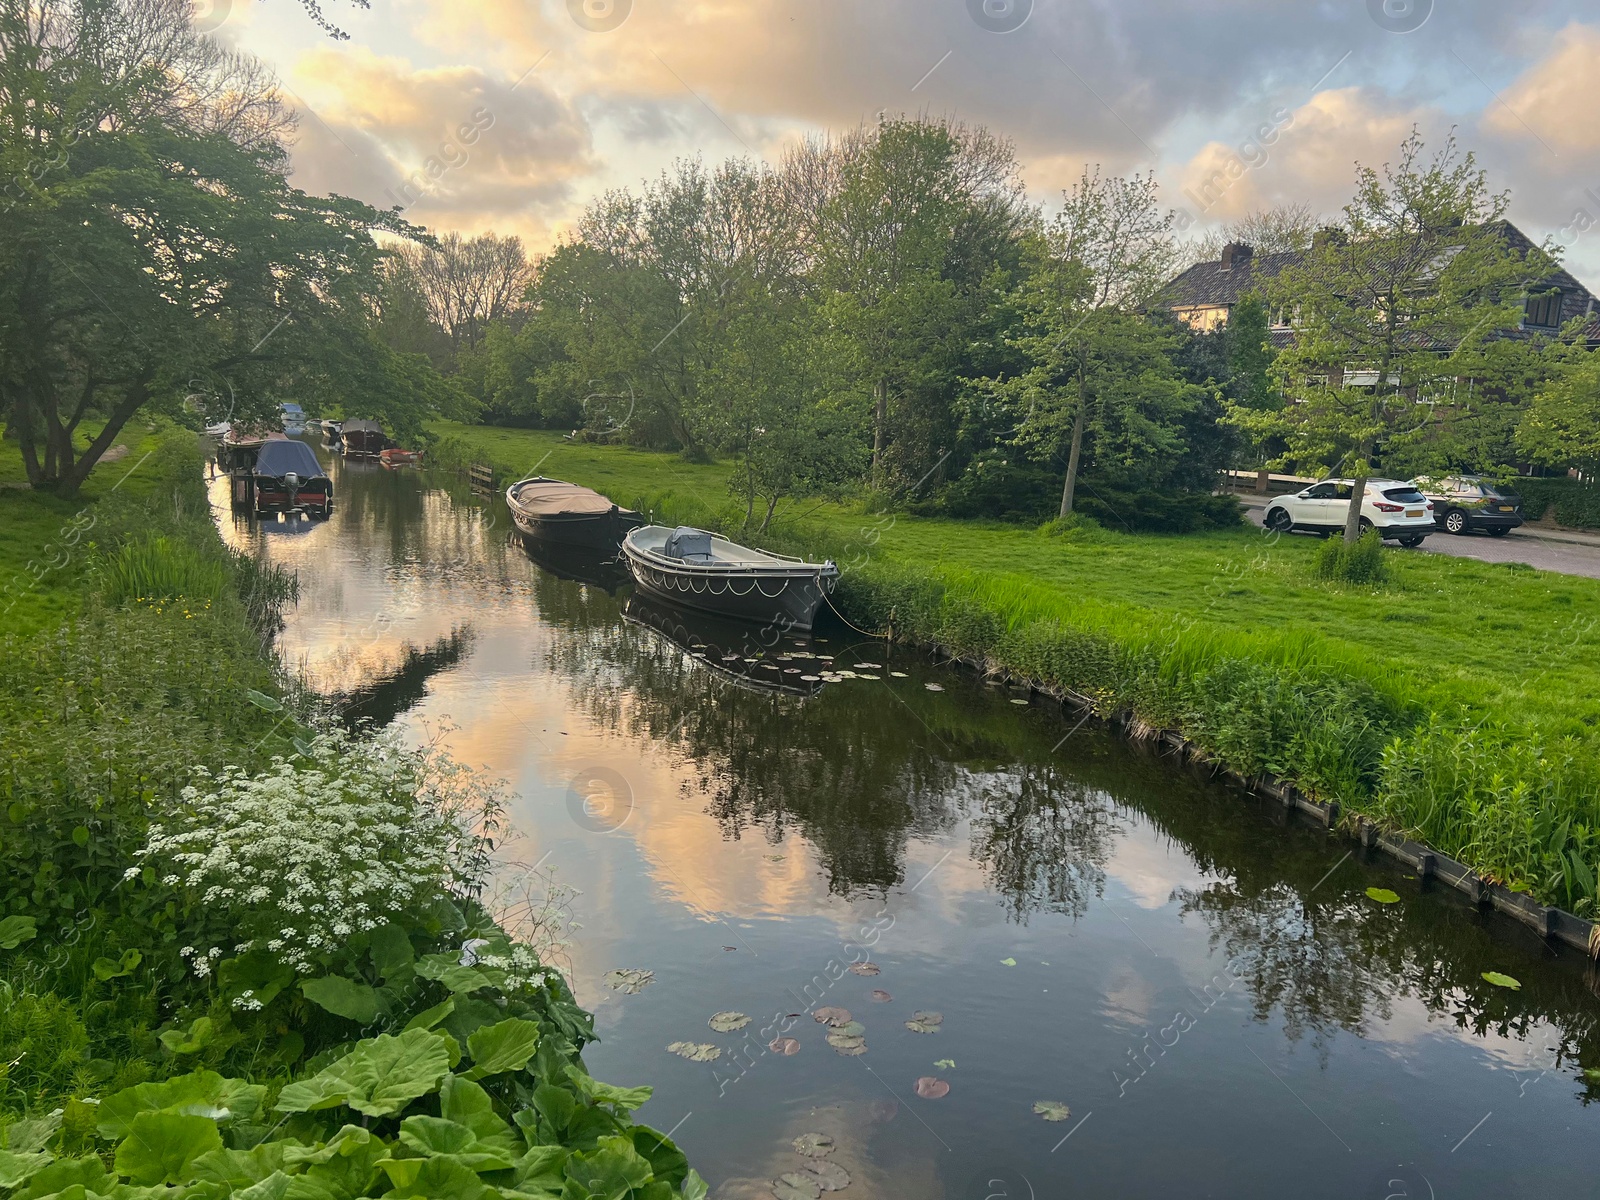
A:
x: 1396, y: 509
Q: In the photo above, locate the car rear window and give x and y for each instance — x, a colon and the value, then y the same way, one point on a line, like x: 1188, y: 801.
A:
x: 1495, y: 493
x: 1404, y: 495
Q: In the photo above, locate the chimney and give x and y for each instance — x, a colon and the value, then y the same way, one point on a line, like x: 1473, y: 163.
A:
x: 1235, y: 253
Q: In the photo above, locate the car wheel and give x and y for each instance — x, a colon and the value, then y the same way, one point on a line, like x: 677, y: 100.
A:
x: 1500, y: 531
x: 1455, y: 521
x: 1365, y: 525
x: 1412, y: 541
x: 1279, y: 520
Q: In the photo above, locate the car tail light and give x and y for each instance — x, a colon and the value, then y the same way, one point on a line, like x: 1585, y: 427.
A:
x: 1388, y: 507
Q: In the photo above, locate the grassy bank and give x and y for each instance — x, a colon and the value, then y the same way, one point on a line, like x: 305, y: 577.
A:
x: 1457, y: 703
x: 231, y: 941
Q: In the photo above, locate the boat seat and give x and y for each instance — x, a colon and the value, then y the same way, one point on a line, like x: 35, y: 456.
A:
x: 689, y: 545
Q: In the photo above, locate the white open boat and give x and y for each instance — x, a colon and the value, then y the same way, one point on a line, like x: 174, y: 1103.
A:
x: 699, y: 569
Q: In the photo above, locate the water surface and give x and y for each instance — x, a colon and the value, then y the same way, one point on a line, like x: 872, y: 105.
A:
x: 1201, y: 980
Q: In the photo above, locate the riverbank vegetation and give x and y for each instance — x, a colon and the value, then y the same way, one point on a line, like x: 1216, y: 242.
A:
x: 240, y: 947
x: 1456, y: 701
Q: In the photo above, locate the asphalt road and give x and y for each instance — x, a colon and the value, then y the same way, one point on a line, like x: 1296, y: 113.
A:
x: 1567, y: 553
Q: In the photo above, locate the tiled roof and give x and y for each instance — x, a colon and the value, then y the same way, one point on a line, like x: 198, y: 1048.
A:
x: 1210, y: 283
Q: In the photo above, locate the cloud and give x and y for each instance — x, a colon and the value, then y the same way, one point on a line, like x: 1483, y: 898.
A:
x: 1553, y: 101
x: 455, y: 145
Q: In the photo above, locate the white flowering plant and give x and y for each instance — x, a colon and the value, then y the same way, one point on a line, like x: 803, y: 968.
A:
x: 301, y: 864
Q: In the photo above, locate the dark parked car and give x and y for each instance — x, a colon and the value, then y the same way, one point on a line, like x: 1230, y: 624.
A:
x: 1463, y: 503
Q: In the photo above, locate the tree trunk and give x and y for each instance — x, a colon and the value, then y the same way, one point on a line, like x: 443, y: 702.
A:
x: 1073, y: 459
x: 880, y: 418
x: 772, y: 505
x: 1352, y: 519
x: 1263, y: 482
x: 71, y: 480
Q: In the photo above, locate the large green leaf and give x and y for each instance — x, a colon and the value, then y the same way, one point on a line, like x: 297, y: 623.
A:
x: 435, y: 1135
x: 200, y: 1093
x: 30, y: 1133
x: 239, y: 1168
x: 466, y: 1103
x: 379, y: 1077
x: 694, y: 1188
x: 392, y: 954
x: 162, y: 1147
x: 435, y: 1179
x: 429, y: 1017
x: 16, y: 930
x: 625, y: 1099
x: 497, y: 1049
x: 542, y: 1168
x: 273, y: 1187
x: 448, y: 970
x: 349, y: 998
x: 15, y: 1169
x: 666, y: 1160
x: 612, y: 1168
x: 65, y: 1173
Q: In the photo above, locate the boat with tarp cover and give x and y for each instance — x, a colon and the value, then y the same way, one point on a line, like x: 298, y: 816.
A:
x: 699, y: 569
x: 288, y: 479
x: 550, y: 510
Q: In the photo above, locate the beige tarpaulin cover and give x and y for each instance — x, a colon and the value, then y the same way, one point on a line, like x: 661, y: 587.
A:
x: 543, y: 498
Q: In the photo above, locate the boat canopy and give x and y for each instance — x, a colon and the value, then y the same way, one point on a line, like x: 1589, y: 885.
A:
x: 278, y: 458
x: 688, y: 544
x: 549, y: 497
x: 361, y: 425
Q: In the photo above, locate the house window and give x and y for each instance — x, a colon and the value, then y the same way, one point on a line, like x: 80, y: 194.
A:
x: 1544, y: 310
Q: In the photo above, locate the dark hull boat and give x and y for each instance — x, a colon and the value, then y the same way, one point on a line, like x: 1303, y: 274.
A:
x: 548, y: 510
x: 288, y: 479
x: 363, y: 439
x: 700, y: 570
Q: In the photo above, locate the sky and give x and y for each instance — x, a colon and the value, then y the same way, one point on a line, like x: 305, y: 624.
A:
x: 530, y: 108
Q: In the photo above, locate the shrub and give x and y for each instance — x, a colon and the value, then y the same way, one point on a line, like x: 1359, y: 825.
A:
x: 1572, y: 502
x: 159, y: 568
x: 1146, y: 510
x: 1358, y: 562
x: 300, y: 860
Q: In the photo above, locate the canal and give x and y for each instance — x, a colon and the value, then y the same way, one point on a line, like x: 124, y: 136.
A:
x: 1041, y: 917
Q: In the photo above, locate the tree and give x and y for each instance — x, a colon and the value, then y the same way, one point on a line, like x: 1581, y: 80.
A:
x: 465, y: 283
x: 1277, y: 230
x: 156, y: 240
x: 1391, y: 312
x: 906, y: 224
x: 1561, y: 426
x: 1250, y: 354
x: 1098, y: 373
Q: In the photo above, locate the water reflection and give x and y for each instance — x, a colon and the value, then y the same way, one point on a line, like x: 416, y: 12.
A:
x: 770, y: 816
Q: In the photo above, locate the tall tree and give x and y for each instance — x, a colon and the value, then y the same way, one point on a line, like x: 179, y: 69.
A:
x: 1390, y: 312
x: 1095, y: 365
x: 1561, y: 426
x: 156, y: 238
x: 466, y: 283
x: 1276, y: 230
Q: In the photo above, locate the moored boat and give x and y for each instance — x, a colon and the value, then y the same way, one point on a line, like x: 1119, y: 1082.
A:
x: 734, y: 651
x: 550, y: 510
x: 699, y: 569
x: 395, y: 457
x: 362, y: 439
x: 287, y: 478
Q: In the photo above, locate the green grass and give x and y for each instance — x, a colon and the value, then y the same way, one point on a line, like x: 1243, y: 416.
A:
x: 1457, y: 701
x: 45, y: 542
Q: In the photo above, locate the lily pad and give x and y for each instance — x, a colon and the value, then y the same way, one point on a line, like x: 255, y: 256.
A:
x: 898, y: 675
x: 1014, y: 700
x: 629, y: 980
x: 946, y: 1064
x: 727, y: 1022
x: 851, y: 1051
x: 813, y: 1145
x: 1052, y: 1110
x: 810, y: 679
x: 1505, y: 981
x: 864, y: 968
x: 880, y: 996
x: 841, y: 1040
x: 1382, y: 895
x: 787, y: 1046
x: 696, y: 1051
x: 794, y: 1187
x: 849, y: 1029
x: 832, y: 1016
x: 1008, y: 962
x: 934, y: 687
x: 931, y: 1088
x: 868, y: 675
x: 925, y: 1022
x: 830, y: 1177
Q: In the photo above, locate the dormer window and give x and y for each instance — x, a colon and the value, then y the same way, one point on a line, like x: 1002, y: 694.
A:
x: 1543, y: 310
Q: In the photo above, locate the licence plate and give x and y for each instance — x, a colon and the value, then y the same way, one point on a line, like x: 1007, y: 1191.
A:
x: 1413, y: 512
x: 1507, y: 508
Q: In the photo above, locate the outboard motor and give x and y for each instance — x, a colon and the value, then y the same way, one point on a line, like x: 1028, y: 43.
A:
x: 291, y: 481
